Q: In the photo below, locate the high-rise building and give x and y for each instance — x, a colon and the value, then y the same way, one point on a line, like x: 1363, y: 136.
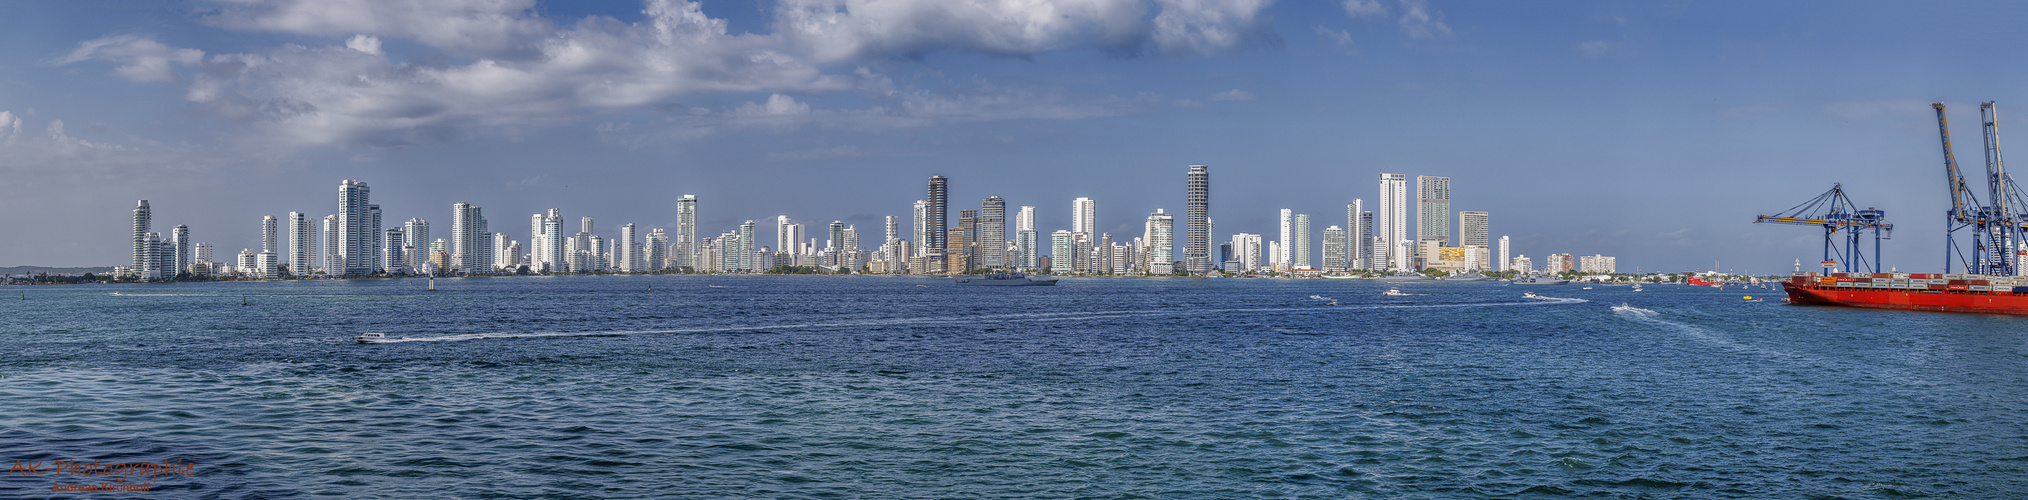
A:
x: 937, y: 216
x: 658, y: 249
x: 969, y: 221
x: 626, y: 251
x: 921, y: 227
x: 505, y: 256
x: 373, y: 238
x: 890, y: 246
x: 1363, y: 248
x: 1355, y: 236
x: 334, y: 259
x: 685, y: 246
x: 1391, y: 223
x: 1247, y: 252
x: 1503, y: 263
x: 956, y: 259
x: 788, y: 235
x: 179, y: 240
x: 415, y: 244
x: 553, y: 242
x: 302, y: 244
x: 1472, y: 230
x: 1025, y: 240
x: 271, y: 247
x: 1299, y: 250
x: 1160, y: 236
x: 745, y: 249
x: 834, y: 236
x: 1433, y: 211
x: 143, y: 219
x: 1197, y: 237
x: 394, y: 244
x: 1084, y: 218
x: 1284, y: 252
x: 471, y: 242
x: 992, y: 236
x: 356, y: 236
x: 1334, y: 249
x: 1063, y: 251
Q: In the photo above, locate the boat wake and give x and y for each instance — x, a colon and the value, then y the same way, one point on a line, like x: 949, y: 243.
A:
x: 1623, y: 308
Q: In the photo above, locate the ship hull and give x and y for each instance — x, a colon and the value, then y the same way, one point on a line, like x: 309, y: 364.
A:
x: 1911, y: 300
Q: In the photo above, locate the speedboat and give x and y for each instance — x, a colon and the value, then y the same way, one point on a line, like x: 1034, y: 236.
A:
x: 1395, y: 292
x: 371, y: 338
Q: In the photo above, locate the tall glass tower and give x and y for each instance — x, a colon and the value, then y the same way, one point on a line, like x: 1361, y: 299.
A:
x: 1197, y: 234
x: 143, y: 218
x: 992, y: 235
x: 937, y: 215
x: 686, y: 232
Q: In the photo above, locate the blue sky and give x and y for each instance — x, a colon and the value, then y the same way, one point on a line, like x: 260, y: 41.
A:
x: 1651, y: 131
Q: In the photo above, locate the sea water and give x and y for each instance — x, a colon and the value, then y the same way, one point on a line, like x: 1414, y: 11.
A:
x: 895, y: 387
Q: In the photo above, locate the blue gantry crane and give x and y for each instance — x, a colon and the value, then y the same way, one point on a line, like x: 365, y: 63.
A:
x: 1837, y: 214
x: 1997, y: 226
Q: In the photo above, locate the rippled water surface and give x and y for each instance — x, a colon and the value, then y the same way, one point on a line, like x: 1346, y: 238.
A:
x: 877, y: 387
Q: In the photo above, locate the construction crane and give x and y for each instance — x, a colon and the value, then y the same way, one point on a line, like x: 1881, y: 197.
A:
x: 1837, y: 214
x: 1997, y: 227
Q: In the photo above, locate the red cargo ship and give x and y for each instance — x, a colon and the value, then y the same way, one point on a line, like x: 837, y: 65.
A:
x: 1972, y: 293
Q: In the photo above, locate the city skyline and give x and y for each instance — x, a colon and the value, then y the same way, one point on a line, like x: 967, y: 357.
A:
x: 1583, y: 116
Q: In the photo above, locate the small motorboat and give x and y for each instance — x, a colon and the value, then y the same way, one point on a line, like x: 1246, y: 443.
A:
x: 1587, y: 288
x: 1394, y: 292
x: 371, y: 338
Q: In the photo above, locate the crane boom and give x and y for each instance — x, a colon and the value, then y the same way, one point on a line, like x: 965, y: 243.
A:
x: 1960, y: 195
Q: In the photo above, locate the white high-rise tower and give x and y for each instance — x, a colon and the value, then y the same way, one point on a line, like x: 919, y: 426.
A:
x: 1391, y: 223
x: 1084, y: 218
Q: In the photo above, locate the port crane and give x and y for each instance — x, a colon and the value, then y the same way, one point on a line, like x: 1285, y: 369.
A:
x: 1837, y: 214
x: 1997, y: 226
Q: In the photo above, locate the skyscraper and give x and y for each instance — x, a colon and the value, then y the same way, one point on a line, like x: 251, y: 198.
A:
x: 302, y: 244
x: 271, y: 248
x: 1299, y: 248
x: 334, y: 259
x: 1285, y: 252
x: 143, y: 219
x: 921, y: 226
x: 553, y: 242
x: 746, y: 246
x: 1355, y: 236
x: 464, y: 238
x: 1502, y: 265
x: 1062, y: 252
x: 1334, y: 249
x: 686, y: 232
x: 415, y: 244
x: 1472, y: 231
x: 1084, y: 218
x: 1433, y: 211
x: 968, y: 220
x: 992, y: 235
x: 788, y: 235
x: 355, y: 229
x: 1160, y: 235
x: 395, y: 245
x: 1247, y: 252
x: 626, y: 251
x: 1362, y: 248
x: 179, y: 240
x: 1391, y: 223
x: 936, y: 215
x: 658, y: 249
x: 1197, y: 240
x: 1026, y: 239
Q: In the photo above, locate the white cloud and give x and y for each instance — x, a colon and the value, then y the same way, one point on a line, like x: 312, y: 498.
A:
x: 524, y: 73
x: 1206, y: 26
x: 1364, y: 8
x: 487, y: 28
x: 1601, y: 48
x: 139, y: 59
x: 1421, y: 22
x: 1340, y: 38
x: 363, y: 43
x: 1232, y: 95
x: 10, y: 127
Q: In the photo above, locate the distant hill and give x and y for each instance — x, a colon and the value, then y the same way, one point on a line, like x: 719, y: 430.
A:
x: 18, y: 270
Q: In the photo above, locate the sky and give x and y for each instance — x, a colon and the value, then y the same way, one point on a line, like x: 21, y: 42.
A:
x: 1649, y: 131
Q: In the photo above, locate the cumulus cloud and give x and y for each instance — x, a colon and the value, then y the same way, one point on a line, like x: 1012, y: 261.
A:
x: 488, y: 28
x: 1207, y: 26
x: 1364, y: 8
x: 1340, y: 38
x: 10, y: 127
x: 522, y: 72
x: 1422, y: 22
x: 139, y: 59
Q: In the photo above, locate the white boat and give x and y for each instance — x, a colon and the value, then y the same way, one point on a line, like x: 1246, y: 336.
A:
x: 1586, y: 287
x: 1396, y: 292
x: 371, y: 338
